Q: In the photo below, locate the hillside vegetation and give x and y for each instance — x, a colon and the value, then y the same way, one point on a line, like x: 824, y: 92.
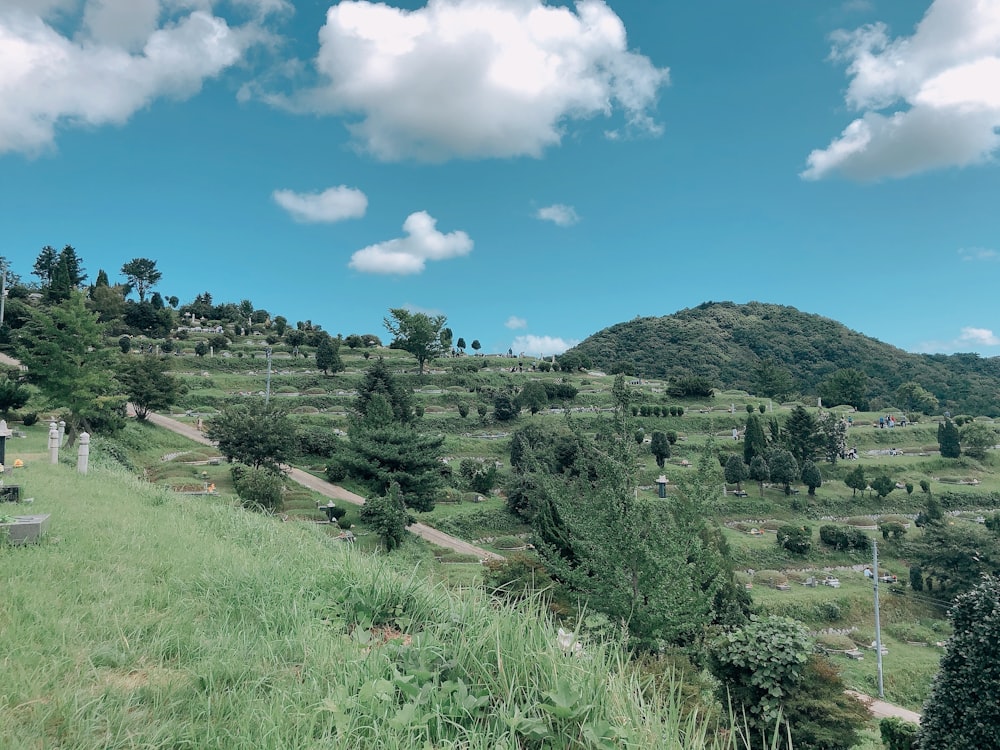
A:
x: 727, y: 343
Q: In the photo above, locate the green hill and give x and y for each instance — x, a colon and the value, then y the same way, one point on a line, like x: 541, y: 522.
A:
x: 727, y: 344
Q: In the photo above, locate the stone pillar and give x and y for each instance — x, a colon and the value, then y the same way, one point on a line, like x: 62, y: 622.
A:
x: 83, y: 453
x: 53, y: 443
x: 62, y: 431
x: 5, y: 432
x: 661, y: 483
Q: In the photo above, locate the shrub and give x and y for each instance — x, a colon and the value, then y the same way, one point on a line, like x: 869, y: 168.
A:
x: 516, y: 577
x: 843, y: 537
x: 259, y: 488
x: 29, y: 419
x: 898, y: 734
x: 795, y: 539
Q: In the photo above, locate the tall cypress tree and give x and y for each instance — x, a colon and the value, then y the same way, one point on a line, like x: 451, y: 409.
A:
x: 754, y: 440
x: 949, y: 439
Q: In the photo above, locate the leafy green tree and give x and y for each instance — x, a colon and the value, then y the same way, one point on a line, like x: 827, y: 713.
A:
x: 505, y: 407
x: 963, y: 711
x: 259, y: 488
x: 383, y: 450
x: 201, y: 348
x: 378, y: 379
x: 833, y: 436
x: 955, y: 556
x: 736, y: 471
x: 62, y: 348
x: 760, y: 472
x: 659, y: 446
x: 476, y: 346
x: 845, y: 386
x: 811, y: 477
x: 691, y: 386
x: 386, y: 516
x: 883, y: 484
x: 416, y: 333
x: 772, y: 380
x: 328, y: 356
x: 141, y: 274
x: 801, y: 435
x: 856, y: 480
x: 255, y: 433
x: 460, y: 344
x: 13, y: 393
x: 913, y: 397
x: 446, y: 337
x: 949, y: 439
x: 784, y: 468
x: 533, y: 396
x: 148, y: 384
x: 754, y: 439
x: 977, y: 438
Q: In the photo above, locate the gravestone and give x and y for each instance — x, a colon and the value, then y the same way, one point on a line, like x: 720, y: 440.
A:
x: 25, y: 529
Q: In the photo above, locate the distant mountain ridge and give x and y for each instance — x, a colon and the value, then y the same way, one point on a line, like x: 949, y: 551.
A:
x: 726, y: 343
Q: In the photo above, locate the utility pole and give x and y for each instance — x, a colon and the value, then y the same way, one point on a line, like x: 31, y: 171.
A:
x: 878, y: 624
x: 3, y: 295
x: 267, y: 393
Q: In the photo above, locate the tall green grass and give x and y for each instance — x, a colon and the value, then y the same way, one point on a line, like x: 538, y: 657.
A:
x: 149, y: 620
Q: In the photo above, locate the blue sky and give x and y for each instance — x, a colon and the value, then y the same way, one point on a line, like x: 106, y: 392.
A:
x: 534, y: 171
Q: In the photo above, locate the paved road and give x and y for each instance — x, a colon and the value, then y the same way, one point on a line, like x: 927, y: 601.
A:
x: 335, y: 493
x: 882, y: 710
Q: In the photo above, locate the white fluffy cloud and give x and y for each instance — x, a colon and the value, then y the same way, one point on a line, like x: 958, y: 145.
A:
x: 121, y: 56
x: 971, y: 339
x: 978, y: 253
x: 926, y: 101
x: 541, y: 346
x: 409, y: 254
x: 333, y: 204
x: 477, y: 78
x: 559, y: 214
x: 515, y: 322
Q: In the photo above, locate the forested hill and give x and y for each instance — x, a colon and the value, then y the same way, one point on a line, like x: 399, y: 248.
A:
x: 754, y: 345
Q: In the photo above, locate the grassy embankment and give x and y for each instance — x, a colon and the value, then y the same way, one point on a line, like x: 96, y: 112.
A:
x: 147, y: 618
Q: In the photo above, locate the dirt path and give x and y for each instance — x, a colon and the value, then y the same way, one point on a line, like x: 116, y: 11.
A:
x: 334, y: 492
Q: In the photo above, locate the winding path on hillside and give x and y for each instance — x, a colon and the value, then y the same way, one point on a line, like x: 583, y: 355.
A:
x: 334, y: 492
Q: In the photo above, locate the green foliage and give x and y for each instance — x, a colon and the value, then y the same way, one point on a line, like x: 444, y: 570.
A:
x: 533, y: 396
x: 883, y: 484
x: 913, y: 397
x: 735, y: 470
x: 659, y: 446
x: 148, y: 384
x: 963, y: 712
x: 783, y: 468
x: 386, y: 516
x: 516, y: 577
x: 328, y: 356
x: 382, y: 450
x: 955, y: 555
x: 856, y: 480
x: 505, y: 407
x: 844, y: 537
x: 977, y: 438
x: 898, y: 734
x: 259, y: 488
x: 801, y: 435
x: 820, y: 715
x: 795, y: 539
x: 811, y: 476
x: 62, y: 348
x: 759, y: 472
x: 417, y: 333
x: 13, y: 393
x: 832, y: 437
x: 949, y: 439
x: 754, y: 440
x: 141, y: 274
x: 759, y: 666
x: 254, y: 433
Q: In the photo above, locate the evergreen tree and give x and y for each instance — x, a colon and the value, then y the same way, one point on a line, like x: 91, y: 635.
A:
x: 833, y: 436
x: 783, y: 468
x: 386, y: 515
x: 148, y: 384
x: 378, y: 379
x: 759, y: 472
x: 754, y: 440
x: 659, y: 446
x: 963, y: 711
x: 736, y: 471
x: 141, y: 274
x: 949, y: 439
x: 811, y: 477
x: 62, y: 347
x: 801, y: 435
x: 45, y: 265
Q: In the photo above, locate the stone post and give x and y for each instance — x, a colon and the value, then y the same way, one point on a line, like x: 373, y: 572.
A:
x: 53, y: 443
x: 83, y: 453
x: 62, y: 431
x: 5, y: 432
x: 661, y: 483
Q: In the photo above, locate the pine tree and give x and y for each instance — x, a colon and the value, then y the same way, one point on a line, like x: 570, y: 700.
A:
x: 754, y: 440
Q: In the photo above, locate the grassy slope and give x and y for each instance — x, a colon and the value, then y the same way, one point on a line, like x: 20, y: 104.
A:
x: 148, y: 619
